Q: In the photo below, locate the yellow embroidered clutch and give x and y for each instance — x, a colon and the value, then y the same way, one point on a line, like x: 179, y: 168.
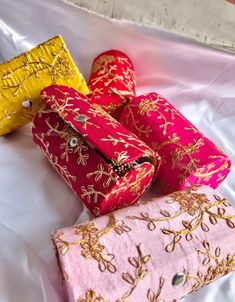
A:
x: 23, y: 77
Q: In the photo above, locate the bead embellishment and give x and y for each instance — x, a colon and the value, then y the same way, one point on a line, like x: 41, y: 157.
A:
x: 82, y: 118
x: 122, y: 168
x: 73, y: 142
x: 178, y: 280
x: 27, y: 103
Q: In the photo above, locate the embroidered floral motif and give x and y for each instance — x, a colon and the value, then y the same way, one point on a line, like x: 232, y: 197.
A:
x: 180, y: 152
x: 132, y: 279
x: 100, y: 173
x: 91, y: 194
x: 106, y: 70
x: 140, y: 272
x: 154, y: 297
x: 92, y: 296
x: 96, y: 110
x: 58, y: 67
x: 66, y: 134
x: 145, y: 107
x: 127, y: 140
x: 217, y: 266
x: 142, y: 130
x: 197, y: 206
x: 63, y: 170
x: 89, y: 242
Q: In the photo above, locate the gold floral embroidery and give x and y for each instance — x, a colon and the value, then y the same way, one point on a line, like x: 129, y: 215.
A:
x: 195, y: 205
x: 66, y: 134
x: 140, y: 272
x: 132, y: 279
x: 206, y: 172
x: 92, y: 296
x: 6, y: 115
x: 109, y: 74
x: 145, y: 107
x: 135, y: 186
x: 96, y: 110
x: 179, y: 153
x: 100, y: 172
x: 126, y: 140
x: 90, y: 245
x: 61, y: 106
x: 91, y: 194
x: 63, y: 170
x: 217, y: 266
x: 55, y: 69
x: 154, y: 297
x: 141, y: 129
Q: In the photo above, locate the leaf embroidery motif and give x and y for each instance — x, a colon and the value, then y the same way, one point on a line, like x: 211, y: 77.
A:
x: 196, y: 205
x: 89, y: 241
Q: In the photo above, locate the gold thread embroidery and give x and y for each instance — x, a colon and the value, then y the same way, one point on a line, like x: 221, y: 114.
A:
x: 217, y: 266
x: 97, y: 110
x: 92, y: 296
x: 91, y: 194
x: 126, y: 140
x: 141, y: 129
x: 91, y: 248
x: 100, y: 172
x: 180, y: 152
x: 147, y: 105
x: 133, y: 280
x: 154, y: 297
x: 105, y: 71
x: 140, y: 272
x: 63, y: 170
x: 66, y: 134
x: 59, y: 67
x: 194, y: 204
x: 63, y: 107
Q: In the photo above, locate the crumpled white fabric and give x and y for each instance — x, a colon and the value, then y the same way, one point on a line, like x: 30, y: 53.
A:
x: 34, y: 200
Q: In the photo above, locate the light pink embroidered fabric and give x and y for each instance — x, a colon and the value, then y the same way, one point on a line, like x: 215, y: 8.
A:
x: 157, y: 251
x: 188, y: 157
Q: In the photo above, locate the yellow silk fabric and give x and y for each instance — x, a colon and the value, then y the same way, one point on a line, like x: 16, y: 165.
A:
x: 23, y: 78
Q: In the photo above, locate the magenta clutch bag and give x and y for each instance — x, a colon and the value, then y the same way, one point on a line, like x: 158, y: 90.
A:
x: 158, y: 251
x: 105, y: 164
x: 188, y: 157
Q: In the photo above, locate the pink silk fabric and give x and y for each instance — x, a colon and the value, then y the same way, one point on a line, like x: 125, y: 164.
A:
x: 188, y: 157
x: 160, y: 250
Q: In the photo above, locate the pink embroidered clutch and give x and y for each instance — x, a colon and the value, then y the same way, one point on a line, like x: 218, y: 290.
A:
x: 112, y: 81
x: 157, y: 251
x: 106, y: 165
x: 188, y: 157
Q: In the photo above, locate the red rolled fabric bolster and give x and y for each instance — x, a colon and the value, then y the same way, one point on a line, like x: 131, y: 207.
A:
x: 112, y: 81
x: 105, y: 164
x: 188, y: 157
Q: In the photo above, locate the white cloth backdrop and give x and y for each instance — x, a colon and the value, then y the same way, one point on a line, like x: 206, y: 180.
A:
x: 34, y: 200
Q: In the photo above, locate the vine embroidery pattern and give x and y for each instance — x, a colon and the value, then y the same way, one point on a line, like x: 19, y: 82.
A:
x: 66, y: 134
x: 63, y: 170
x: 58, y: 67
x: 217, y: 266
x: 197, y: 206
x: 155, y: 297
x: 91, y: 247
x: 132, y: 279
x: 100, y: 172
x: 108, y: 73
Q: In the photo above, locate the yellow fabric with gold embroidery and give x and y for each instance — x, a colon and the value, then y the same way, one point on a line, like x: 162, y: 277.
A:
x: 23, y: 77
